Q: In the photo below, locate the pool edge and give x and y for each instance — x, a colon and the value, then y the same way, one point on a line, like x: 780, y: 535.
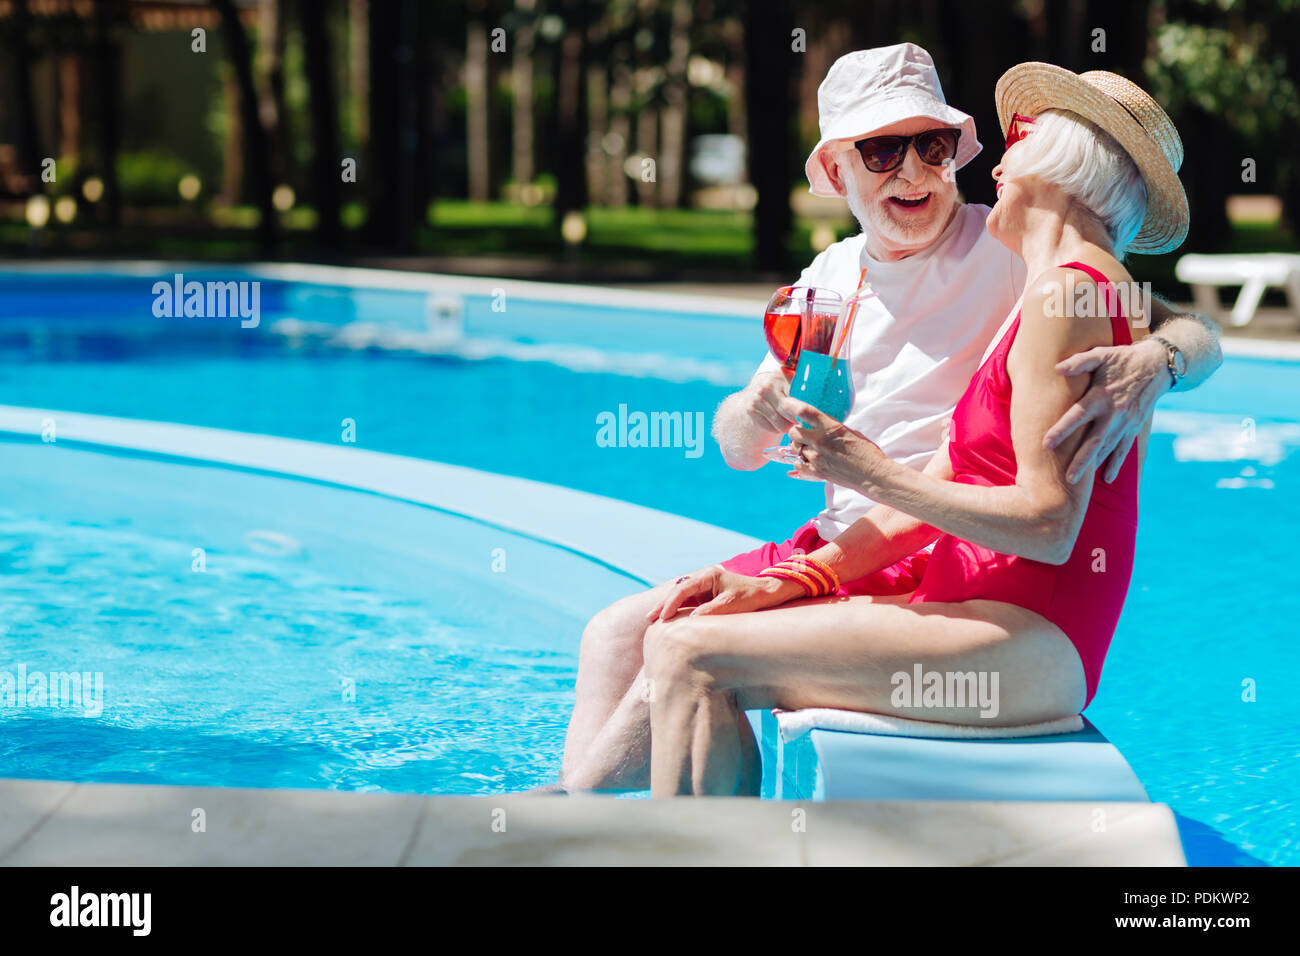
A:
x: 47, y: 823
x: 650, y: 545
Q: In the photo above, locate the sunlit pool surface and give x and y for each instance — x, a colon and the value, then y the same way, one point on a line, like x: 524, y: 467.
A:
x: 220, y: 682
x: 258, y: 673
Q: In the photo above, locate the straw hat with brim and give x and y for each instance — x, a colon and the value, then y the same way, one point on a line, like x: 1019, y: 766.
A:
x: 1127, y: 114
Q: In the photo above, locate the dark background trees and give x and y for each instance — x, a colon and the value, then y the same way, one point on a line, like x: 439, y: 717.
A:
x: 514, y: 114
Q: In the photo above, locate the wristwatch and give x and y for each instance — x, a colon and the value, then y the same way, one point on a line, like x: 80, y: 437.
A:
x: 1176, y: 361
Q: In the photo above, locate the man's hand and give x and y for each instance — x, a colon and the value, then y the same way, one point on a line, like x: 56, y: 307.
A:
x: 763, y: 401
x: 1127, y: 381
x: 749, y: 420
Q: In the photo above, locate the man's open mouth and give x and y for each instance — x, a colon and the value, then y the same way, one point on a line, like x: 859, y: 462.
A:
x: 913, y: 203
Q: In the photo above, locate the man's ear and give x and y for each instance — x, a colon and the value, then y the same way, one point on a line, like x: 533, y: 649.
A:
x: 832, y: 166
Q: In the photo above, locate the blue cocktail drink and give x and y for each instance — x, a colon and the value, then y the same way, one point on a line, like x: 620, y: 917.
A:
x: 824, y: 383
x: 822, y: 376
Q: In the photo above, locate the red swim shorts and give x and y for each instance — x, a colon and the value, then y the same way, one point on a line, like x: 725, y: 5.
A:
x: 900, y: 578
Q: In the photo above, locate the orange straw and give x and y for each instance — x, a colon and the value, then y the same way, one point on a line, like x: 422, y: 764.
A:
x: 848, y: 322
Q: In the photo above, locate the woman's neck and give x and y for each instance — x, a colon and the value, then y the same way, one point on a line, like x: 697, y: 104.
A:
x: 1053, y: 237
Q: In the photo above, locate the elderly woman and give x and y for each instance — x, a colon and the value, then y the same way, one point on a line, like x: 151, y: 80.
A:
x: 1029, y: 570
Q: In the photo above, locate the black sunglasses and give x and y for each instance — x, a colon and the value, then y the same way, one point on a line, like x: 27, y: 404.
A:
x: 880, y: 154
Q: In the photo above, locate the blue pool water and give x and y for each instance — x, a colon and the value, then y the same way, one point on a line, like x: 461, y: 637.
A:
x: 1199, y: 691
x: 317, y: 646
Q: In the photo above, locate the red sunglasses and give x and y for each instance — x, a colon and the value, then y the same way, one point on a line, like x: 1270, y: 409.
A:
x: 1018, y: 129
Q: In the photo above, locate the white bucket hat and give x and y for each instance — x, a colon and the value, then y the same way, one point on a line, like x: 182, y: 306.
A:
x: 867, y: 90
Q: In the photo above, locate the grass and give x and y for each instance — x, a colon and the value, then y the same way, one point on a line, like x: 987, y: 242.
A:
x: 670, y: 238
x: 660, y: 239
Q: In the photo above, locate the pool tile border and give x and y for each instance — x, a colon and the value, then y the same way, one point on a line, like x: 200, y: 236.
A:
x: 147, y: 825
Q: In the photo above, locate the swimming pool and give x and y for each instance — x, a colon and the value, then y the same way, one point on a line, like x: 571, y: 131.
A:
x: 470, y: 684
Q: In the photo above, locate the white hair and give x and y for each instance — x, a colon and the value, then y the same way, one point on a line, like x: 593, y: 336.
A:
x: 1086, y: 162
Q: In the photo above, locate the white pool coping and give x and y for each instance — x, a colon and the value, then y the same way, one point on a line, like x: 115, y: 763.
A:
x: 645, y: 543
x: 1276, y: 349
x: 50, y: 823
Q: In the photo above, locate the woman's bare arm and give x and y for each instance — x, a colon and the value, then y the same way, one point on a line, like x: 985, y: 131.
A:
x: 884, y: 535
x: 1039, y: 516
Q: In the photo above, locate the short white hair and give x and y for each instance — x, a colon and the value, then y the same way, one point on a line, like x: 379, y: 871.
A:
x: 1086, y: 162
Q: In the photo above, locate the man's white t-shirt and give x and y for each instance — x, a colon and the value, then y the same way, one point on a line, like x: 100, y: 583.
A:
x: 915, y: 348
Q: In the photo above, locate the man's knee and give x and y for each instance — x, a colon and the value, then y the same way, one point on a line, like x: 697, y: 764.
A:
x: 619, y: 627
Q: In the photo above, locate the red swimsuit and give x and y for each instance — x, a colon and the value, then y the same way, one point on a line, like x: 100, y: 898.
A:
x: 1084, y: 596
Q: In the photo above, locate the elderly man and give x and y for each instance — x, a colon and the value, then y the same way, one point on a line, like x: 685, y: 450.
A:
x: 890, y: 145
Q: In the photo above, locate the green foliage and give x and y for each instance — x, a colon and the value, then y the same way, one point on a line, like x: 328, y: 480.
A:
x: 150, y: 178
x: 68, y: 182
x: 1226, y: 73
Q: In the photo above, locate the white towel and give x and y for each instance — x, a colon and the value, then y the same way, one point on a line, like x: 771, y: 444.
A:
x: 795, y: 723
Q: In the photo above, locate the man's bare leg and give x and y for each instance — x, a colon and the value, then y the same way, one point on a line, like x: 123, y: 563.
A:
x: 608, y: 742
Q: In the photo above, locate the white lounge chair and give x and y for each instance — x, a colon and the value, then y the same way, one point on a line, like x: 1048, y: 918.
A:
x: 1254, y: 273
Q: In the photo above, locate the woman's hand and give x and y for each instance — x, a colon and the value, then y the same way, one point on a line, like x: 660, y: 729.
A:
x: 716, y: 591
x: 832, y: 451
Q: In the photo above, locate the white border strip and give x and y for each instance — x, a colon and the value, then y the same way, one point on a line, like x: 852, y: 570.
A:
x: 650, y: 544
x: 1277, y: 349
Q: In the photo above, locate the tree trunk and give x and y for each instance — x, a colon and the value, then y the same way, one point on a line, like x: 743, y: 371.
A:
x: 1286, y: 39
x: 108, y: 77
x: 478, y: 104
x: 394, y: 25
x: 620, y: 126
x: 1127, y: 27
x: 256, y: 145
x: 1206, y: 174
x: 974, y: 67
x: 570, y: 181
x: 771, y: 70
x: 676, y: 114
x: 70, y: 106
x: 647, y: 146
x: 359, y: 68
x: 232, y: 145
x: 737, y: 117
x: 647, y: 117
x: 425, y: 64
x: 28, y: 146
x: 597, y: 126
x: 271, y: 109
x: 440, y: 82
x: 326, y: 159
x: 522, y: 168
